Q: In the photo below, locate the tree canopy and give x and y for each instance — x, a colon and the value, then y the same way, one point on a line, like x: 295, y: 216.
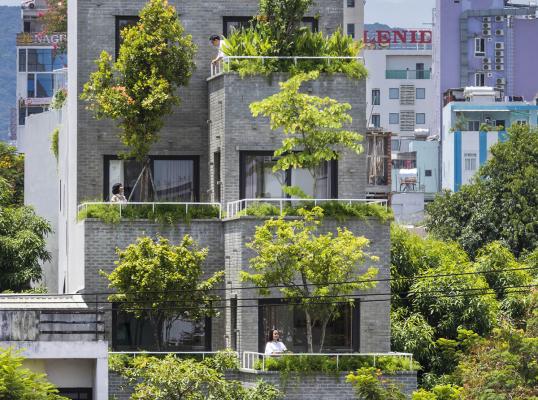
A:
x: 500, y: 204
x: 140, y: 88
x: 163, y: 282
x: 12, y: 171
x: 316, y: 271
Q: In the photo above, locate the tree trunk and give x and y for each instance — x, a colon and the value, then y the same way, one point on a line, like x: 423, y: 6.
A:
x: 158, y: 332
x: 324, y: 323
x: 309, y: 339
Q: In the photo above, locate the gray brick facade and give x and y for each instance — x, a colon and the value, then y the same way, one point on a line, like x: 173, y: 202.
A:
x: 233, y: 129
x: 186, y: 131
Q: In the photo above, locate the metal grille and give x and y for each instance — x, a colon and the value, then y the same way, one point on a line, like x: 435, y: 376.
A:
x: 407, y: 95
x: 407, y: 121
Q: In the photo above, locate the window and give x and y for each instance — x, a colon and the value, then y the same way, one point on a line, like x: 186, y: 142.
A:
x: 473, y: 126
x: 479, y: 47
x: 470, y: 161
x: 394, y: 118
x: 44, y: 85
x: 22, y: 60
x: 121, y: 23
x: 43, y: 60
x: 351, y: 3
x: 420, y: 93
x: 420, y: 118
x: 479, y: 79
x: 231, y: 23
x: 522, y: 122
x: 257, y: 179
x: 428, y: 172
x: 341, y: 333
x: 130, y: 333
x: 351, y: 30
x: 217, y: 178
x: 377, y: 159
x: 76, y: 394
x: 175, y: 178
x: 395, y: 145
x: 376, y: 120
x: 394, y: 93
x: 376, y: 97
x: 30, y: 85
x: 27, y: 111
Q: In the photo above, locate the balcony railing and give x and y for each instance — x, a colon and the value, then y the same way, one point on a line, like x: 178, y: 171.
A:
x: 235, y: 208
x: 60, y: 80
x: 153, y: 206
x: 407, y: 74
x: 253, y: 361
x: 223, y: 66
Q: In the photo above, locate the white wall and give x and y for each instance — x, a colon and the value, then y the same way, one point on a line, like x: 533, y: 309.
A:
x: 41, y: 182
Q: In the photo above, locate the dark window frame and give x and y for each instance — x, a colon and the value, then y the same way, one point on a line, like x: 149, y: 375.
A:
x: 194, y: 158
x: 117, y: 37
x: 244, y: 153
x: 245, y: 20
x: 355, y: 323
x: 88, y: 391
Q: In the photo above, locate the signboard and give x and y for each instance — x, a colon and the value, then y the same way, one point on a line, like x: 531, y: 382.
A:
x: 40, y: 39
x: 398, y: 38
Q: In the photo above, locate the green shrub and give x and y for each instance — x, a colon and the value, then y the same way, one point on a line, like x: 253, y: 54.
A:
x: 59, y: 99
x: 162, y: 213
x: 370, y: 385
x: 54, y: 142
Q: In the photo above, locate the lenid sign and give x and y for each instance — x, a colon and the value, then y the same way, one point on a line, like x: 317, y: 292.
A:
x: 387, y: 37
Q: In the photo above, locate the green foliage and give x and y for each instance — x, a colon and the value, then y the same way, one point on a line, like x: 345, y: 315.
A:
x: 412, y: 334
x: 12, y: 171
x: 501, y: 204
x: 59, y: 99
x: 289, y: 251
x: 166, y: 214
x: 140, y: 88
x: 439, y: 392
x: 369, y: 385
x: 170, y: 378
x: 22, y: 247
x: 332, y: 209
x: 252, y: 42
x: 490, y: 128
x: 163, y: 282
x: 54, y: 142
x: 17, y: 382
x: 313, y: 126
x: 328, y: 364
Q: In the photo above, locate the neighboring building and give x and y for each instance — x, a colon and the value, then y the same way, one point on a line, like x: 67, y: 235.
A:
x: 37, y: 59
x: 474, y: 119
x: 485, y: 43
x: 400, y: 97
x: 354, y: 18
x: 61, y: 337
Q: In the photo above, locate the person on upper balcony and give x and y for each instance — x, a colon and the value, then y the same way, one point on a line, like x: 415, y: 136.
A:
x: 218, y: 42
x: 118, y: 195
x: 274, y: 346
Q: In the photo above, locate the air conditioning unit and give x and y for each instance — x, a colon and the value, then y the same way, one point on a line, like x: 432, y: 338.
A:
x: 486, y: 32
x: 501, y: 81
x: 499, y: 46
x: 486, y: 26
x: 499, y: 67
x: 499, y: 60
x: 499, y: 53
x: 486, y: 67
x: 490, y: 75
x: 499, y: 18
x: 486, y: 19
x: 499, y: 32
x: 486, y: 60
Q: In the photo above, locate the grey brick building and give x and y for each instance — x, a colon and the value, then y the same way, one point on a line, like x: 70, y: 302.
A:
x: 211, y: 145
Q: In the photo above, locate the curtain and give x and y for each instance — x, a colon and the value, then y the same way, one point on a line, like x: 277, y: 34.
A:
x: 174, y: 180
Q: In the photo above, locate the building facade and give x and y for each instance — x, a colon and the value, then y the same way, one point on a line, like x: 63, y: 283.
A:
x: 472, y: 124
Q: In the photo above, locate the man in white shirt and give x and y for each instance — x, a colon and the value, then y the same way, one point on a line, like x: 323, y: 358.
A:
x: 274, y: 346
x: 218, y: 42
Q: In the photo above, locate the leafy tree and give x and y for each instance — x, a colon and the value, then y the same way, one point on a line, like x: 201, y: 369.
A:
x: 55, y: 18
x: 170, y: 378
x: 439, y: 392
x: 313, y: 126
x: 370, y: 385
x: 412, y: 334
x: 501, y: 204
x: 310, y: 267
x: 18, y: 383
x: 140, y: 88
x: 163, y: 282
x: 12, y: 171
x: 22, y: 247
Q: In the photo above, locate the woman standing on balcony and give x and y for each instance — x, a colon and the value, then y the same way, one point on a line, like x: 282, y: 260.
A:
x: 274, y: 346
x: 117, y: 194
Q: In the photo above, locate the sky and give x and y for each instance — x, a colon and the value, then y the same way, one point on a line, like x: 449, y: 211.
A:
x: 399, y: 13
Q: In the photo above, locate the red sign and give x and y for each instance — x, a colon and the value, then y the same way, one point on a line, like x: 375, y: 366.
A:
x: 398, y: 37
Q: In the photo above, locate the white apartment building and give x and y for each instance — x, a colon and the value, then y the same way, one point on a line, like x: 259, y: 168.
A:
x: 354, y: 18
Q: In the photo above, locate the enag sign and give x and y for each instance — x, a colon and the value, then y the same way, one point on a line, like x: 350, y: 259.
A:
x: 398, y: 37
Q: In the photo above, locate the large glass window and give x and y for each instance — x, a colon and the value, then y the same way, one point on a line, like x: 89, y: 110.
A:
x: 76, y: 393
x: 30, y: 85
x: 232, y: 23
x: 45, y: 60
x: 44, y: 85
x: 290, y: 320
x: 174, y: 178
x: 259, y: 181
x: 130, y: 333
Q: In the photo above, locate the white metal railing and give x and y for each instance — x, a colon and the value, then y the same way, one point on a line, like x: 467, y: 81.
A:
x: 203, y: 354
x: 235, y: 207
x: 256, y: 361
x: 223, y: 66
x: 60, y: 80
x: 122, y: 205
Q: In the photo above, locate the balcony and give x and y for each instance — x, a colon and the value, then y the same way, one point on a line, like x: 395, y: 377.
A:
x: 407, y: 74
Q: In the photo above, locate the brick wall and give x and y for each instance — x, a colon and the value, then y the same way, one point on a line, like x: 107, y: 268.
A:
x: 186, y: 130
x: 233, y: 129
